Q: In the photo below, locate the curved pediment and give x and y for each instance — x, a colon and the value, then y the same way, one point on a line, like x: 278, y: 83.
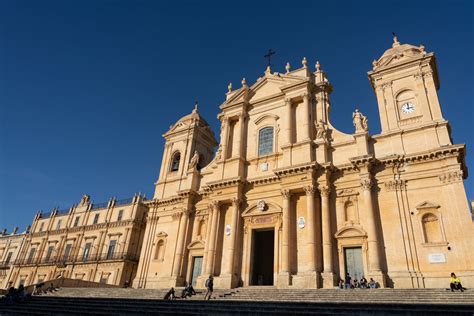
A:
x: 350, y: 231
x: 259, y: 208
x: 266, y: 116
x: 197, y: 244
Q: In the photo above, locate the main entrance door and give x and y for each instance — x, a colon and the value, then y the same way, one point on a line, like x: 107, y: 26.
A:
x: 197, y: 266
x: 353, y: 262
x: 263, y: 251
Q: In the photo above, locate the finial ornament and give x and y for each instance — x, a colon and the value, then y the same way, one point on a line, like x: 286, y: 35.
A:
x: 268, y: 70
x: 395, y: 40
x: 244, y: 83
x: 195, y: 107
x: 318, y: 66
x: 229, y: 87
x: 288, y: 67
x: 304, y: 62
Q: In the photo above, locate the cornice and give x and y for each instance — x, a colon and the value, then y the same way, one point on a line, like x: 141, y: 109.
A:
x: 264, y: 180
x: 296, y: 169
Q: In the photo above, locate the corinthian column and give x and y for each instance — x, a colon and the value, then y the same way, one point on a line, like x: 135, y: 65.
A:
x: 328, y: 275
x: 229, y: 265
x: 214, y: 208
x: 285, y: 262
x: 307, y: 127
x: 372, y: 240
x: 311, y: 244
x: 289, y: 126
x: 178, y: 257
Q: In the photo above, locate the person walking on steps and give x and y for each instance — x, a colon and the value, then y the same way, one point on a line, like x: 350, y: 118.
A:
x: 209, y: 287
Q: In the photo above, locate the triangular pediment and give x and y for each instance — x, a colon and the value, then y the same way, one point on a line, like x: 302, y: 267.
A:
x: 265, y: 87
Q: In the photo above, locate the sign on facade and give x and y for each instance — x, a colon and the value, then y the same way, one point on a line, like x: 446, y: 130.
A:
x: 437, y: 258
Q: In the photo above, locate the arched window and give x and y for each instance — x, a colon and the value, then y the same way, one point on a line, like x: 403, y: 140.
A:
x: 175, y: 162
x: 350, y: 212
x: 265, y: 141
x: 160, y: 250
x: 431, y: 228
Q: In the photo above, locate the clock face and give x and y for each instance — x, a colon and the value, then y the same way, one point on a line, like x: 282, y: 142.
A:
x: 408, y: 108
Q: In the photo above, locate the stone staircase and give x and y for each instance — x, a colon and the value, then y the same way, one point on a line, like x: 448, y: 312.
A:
x: 248, y: 301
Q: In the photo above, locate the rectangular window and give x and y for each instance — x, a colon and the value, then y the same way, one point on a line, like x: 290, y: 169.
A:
x: 9, y: 257
x: 49, y: 252
x: 32, y: 255
x: 58, y: 225
x: 87, y: 249
x: 96, y: 219
x: 265, y: 141
x: 120, y: 215
x: 111, y: 250
x: 41, y: 227
x: 67, y: 252
x: 76, y: 221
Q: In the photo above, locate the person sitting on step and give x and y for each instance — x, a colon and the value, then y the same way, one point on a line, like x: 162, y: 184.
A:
x: 372, y: 284
x: 170, y: 295
x: 363, y: 283
x: 455, y: 283
x: 356, y: 284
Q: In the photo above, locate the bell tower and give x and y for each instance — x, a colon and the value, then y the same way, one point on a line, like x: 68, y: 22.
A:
x: 189, y: 146
x: 405, y: 80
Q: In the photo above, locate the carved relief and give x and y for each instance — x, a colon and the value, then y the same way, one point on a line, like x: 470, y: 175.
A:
x: 395, y: 185
x: 450, y: 177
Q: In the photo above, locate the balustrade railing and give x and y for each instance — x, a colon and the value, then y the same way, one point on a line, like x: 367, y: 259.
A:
x: 77, y: 259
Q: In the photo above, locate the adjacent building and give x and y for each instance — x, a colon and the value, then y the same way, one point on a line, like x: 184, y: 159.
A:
x: 10, y: 248
x: 98, y: 242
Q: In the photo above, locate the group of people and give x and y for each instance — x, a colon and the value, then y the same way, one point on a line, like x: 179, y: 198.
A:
x: 189, y: 291
x: 348, y: 283
x: 13, y: 295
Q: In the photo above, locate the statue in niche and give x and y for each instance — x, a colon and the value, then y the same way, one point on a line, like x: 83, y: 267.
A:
x: 194, y: 160
x: 360, y: 121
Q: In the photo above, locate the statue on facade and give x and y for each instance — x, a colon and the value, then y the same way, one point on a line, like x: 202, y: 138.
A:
x: 194, y: 160
x: 360, y: 122
x: 85, y: 199
x: 321, y: 130
x: 219, y: 152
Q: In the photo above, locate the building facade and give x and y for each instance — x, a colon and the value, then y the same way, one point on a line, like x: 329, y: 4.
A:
x: 10, y: 248
x: 91, y: 242
x: 288, y: 200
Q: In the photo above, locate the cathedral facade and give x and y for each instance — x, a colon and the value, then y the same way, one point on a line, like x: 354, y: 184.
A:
x: 290, y: 201
x: 286, y: 199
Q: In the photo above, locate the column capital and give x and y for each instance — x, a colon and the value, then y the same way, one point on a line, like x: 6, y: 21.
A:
x: 366, y: 184
x: 309, y: 189
x: 286, y: 193
x: 305, y: 95
x: 324, y: 190
x: 214, y: 205
x: 236, y: 201
x: 287, y: 100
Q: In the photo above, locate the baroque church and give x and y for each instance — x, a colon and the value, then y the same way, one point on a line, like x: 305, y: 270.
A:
x: 290, y: 201
x: 286, y: 199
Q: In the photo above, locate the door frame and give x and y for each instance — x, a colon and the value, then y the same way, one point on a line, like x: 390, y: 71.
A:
x: 252, y: 250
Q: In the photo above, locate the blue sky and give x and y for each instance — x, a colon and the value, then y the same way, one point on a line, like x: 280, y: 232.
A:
x: 87, y: 88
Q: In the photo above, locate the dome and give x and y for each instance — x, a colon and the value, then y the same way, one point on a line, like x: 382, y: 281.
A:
x: 193, y: 118
x: 399, y: 52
